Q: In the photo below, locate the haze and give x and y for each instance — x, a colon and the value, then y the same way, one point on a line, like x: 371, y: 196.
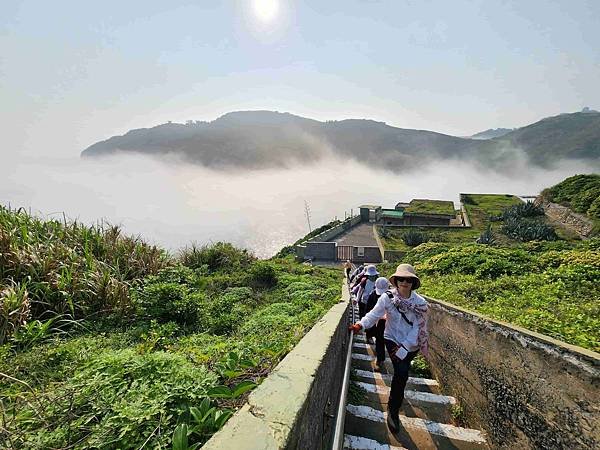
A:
x: 173, y: 205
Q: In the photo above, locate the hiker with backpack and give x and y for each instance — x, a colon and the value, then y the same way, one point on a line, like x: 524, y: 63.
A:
x: 363, y: 289
x: 376, y: 331
x: 405, y: 332
x: 355, y: 275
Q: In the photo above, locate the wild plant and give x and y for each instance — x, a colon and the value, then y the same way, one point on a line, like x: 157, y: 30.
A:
x: 487, y: 237
x: 412, y: 238
x: 198, y: 424
x: 14, y: 310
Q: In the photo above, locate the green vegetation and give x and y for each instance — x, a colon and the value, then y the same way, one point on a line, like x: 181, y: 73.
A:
x: 412, y: 238
x: 581, y: 193
x: 393, y: 238
x: 107, y: 342
x: 525, y: 275
x: 548, y: 287
x: 482, y: 207
x: 418, y: 206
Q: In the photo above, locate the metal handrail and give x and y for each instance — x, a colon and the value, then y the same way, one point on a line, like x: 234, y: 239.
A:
x: 338, y: 437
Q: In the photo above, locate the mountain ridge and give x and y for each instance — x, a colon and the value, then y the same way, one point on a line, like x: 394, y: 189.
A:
x: 263, y: 139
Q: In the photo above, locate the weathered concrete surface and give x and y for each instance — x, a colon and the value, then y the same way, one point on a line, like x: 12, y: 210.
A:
x: 320, y: 250
x: 359, y: 236
x: 292, y: 408
x: 579, y: 223
x: 525, y: 389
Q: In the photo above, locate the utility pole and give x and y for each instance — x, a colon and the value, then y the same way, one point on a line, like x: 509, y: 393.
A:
x: 307, y: 214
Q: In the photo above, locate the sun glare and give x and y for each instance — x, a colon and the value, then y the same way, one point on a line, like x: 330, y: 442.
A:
x: 266, y: 10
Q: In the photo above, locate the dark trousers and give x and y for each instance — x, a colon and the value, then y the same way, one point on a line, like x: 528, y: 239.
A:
x: 361, y: 309
x: 377, y: 332
x: 401, y: 367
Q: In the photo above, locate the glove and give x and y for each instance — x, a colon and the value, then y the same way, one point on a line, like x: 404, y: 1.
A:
x: 356, y: 327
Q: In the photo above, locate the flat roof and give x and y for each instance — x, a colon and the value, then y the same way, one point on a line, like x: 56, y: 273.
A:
x: 393, y: 213
x: 425, y: 206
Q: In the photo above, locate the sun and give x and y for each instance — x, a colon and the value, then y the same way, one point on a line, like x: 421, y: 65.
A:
x: 266, y: 10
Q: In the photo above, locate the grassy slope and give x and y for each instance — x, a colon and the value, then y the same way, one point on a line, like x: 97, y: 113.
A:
x: 548, y: 287
x: 165, y: 333
x: 480, y: 208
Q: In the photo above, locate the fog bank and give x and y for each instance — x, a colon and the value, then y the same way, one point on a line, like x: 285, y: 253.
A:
x: 173, y: 204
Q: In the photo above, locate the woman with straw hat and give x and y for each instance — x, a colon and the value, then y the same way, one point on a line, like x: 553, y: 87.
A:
x: 405, y: 331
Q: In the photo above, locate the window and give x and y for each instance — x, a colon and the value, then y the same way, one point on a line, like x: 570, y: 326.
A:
x: 360, y: 251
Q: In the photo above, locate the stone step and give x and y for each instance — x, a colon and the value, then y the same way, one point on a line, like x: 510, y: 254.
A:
x: 423, y: 405
x: 417, y: 396
x: 386, y: 378
x: 415, y: 433
x: 364, y: 358
x: 362, y: 443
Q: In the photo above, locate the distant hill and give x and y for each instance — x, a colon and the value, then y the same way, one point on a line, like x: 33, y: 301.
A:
x: 566, y: 136
x: 261, y: 139
x: 492, y: 133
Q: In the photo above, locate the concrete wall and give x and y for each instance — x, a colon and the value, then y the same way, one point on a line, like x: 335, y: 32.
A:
x: 320, y: 250
x: 371, y: 254
x: 422, y: 220
x: 393, y: 255
x: 293, y: 407
x: 526, y: 390
x: 332, y: 233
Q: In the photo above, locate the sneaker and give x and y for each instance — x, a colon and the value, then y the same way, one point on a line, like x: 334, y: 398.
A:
x: 393, y: 422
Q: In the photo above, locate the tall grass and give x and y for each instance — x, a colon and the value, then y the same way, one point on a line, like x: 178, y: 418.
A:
x: 67, y: 268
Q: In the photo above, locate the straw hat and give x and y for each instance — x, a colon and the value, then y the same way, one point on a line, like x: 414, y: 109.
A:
x: 406, y: 271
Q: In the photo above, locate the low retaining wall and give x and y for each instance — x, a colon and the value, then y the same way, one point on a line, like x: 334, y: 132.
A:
x: 332, y: 233
x: 393, y: 255
x: 525, y: 389
x: 320, y: 250
x: 371, y: 255
x: 295, y: 405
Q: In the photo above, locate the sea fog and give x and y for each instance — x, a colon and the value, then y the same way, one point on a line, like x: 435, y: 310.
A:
x: 172, y: 203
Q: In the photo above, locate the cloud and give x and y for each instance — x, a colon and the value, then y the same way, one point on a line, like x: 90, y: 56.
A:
x: 172, y: 204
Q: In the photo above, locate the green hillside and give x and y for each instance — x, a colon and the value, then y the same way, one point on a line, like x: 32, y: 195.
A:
x: 547, y: 285
x: 580, y: 192
x: 571, y: 136
x: 104, y: 339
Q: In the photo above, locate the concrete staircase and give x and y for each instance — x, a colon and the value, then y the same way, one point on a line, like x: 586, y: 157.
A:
x: 425, y: 416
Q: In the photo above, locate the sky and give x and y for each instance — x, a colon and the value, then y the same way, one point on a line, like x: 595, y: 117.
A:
x: 73, y: 73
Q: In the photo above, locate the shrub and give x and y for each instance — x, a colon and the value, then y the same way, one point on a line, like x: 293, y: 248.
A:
x: 528, y: 230
x: 262, y: 274
x: 168, y: 302
x: 219, y: 256
x: 487, y: 237
x: 14, y: 310
x: 119, y: 397
x: 412, y: 238
x: 594, y: 210
x: 528, y: 209
x: 482, y: 261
